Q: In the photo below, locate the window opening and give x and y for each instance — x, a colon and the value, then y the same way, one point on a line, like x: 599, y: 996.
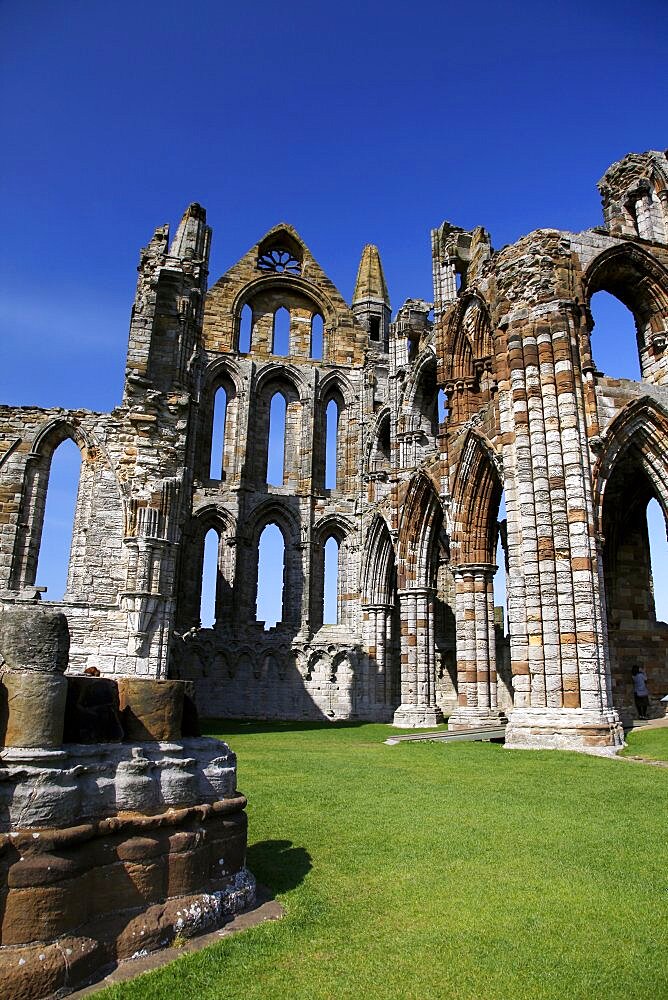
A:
x: 331, y: 435
x: 331, y: 583
x: 614, y: 338
x: 442, y: 406
x: 374, y: 328
x: 217, y: 465
x: 58, y: 525
x: 499, y: 582
x: 276, y: 446
x: 207, y: 611
x: 658, y: 554
x: 281, y: 340
x: 270, y: 565
x: 280, y: 261
x: 245, y: 329
x: 317, y: 336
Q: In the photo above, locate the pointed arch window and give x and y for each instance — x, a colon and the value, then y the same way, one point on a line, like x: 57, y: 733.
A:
x: 270, y: 576
x: 209, y: 579
x: 331, y: 582
x: 317, y: 336
x: 658, y: 556
x: 614, y: 333
x: 58, y: 523
x: 281, y: 333
x: 217, y: 468
x: 276, y: 446
x: 245, y: 329
x: 442, y: 406
x: 331, y: 443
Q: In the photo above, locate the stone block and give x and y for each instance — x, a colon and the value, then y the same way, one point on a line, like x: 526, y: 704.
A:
x: 34, y: 639
x: 151, y: 709
x: 92, y: 712
x: 32, y: 709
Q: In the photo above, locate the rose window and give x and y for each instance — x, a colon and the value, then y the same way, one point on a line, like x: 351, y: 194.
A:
x: 279, y: 261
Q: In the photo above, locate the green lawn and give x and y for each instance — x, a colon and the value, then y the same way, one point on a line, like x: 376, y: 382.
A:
x: 650, y: 743
x: 430, y: 871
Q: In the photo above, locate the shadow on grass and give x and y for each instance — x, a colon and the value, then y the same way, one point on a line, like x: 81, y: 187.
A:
x: 278, y: 864
x: 250, y: 726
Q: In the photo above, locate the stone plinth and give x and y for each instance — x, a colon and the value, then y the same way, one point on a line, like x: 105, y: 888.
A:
x: 417, y: 716
x: 588, y: 731
x: 119, y: 839
x: 82, y: 897
x: 475, y: 718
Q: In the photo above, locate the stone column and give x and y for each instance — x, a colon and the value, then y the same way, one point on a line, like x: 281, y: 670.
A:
x: 379, y: 637
x: 418, y: 681
x: 476, y: 648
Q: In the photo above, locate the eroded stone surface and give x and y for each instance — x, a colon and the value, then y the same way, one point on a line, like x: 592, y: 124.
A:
x: 34, y: 638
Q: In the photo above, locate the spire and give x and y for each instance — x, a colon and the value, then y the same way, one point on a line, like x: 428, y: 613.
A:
x: 370, y: 284
x: 193, y: 236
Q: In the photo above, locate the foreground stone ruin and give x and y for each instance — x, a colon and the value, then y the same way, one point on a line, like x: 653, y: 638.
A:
x: 489, y: 390
x: 120, y: 827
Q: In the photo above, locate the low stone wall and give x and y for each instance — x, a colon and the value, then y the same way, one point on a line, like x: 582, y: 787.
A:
x: 120, y: 827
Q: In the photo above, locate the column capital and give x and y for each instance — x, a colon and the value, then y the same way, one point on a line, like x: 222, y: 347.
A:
x: 417, y: 592
x: 474, y: 569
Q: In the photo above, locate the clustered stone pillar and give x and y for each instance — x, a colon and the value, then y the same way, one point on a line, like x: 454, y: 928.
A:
x: 476, y: 647
x: 418, y: 681
x: 379, y: 644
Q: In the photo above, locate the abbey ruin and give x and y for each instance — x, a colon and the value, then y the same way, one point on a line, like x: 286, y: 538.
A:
x: 489, y: 390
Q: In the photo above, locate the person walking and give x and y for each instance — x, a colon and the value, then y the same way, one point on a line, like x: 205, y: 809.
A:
x: 640, y: 692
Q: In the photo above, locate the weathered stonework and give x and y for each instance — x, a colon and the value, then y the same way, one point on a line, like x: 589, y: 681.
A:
x: 110, y: 845
x: 507, y: 344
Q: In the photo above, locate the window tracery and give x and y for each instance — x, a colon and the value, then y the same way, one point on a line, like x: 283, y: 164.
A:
x: 279, y: 260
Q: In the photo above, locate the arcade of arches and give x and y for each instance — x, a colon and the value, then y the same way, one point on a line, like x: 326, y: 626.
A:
x: 373, y: 453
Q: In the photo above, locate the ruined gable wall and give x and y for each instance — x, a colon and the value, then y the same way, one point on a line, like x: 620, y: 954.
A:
x: 299, y: 668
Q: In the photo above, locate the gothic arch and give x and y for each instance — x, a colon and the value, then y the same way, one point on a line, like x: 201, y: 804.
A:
x: 189, y: 591
x: 640, y: 429
x: 467, y: 372
x: 419, y: 530
x: 283, y: 375
x: 631, y: 471
x: 640, y: 281
x: 273, y: 511
x: 467, y: 335
x: 270, y: 282
x: 57, y: 430
x: 222, y: 374
x: 276, y: 378
x: 333, y: 525
x: 335, y: 388
x: 413, y: 400
x: 221, y: 371
x: 378, y: 565
x: 34, y: 492
x: 476, y: 495
x: 377, y: 459
x: 335, y: 382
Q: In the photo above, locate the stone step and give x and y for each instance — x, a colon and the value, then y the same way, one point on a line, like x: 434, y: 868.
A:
x: 484, y: 734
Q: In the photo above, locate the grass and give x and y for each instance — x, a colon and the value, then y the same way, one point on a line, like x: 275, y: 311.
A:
x: 433, y: 871
x: 649, y: 743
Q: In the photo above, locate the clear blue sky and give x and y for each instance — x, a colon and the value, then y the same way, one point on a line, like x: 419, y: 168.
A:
x: 355, y: 122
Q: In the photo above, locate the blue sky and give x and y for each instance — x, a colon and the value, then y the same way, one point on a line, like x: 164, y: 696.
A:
x: 354, y: 122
